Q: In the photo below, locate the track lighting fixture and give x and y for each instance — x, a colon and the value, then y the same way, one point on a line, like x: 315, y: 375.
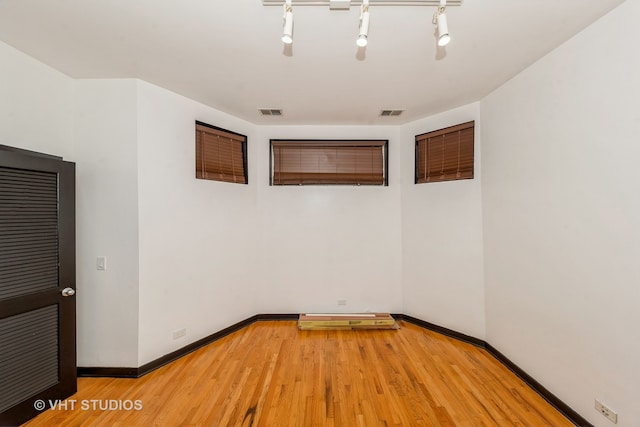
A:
x: 364, y: 24
x: 440, y: 19
x: 287, y: 25
x: 345, y: 4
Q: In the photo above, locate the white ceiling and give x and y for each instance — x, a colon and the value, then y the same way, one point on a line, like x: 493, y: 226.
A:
x: 228, y: 54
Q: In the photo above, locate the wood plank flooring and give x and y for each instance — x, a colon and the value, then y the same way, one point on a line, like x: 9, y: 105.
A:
x: 271, y: 374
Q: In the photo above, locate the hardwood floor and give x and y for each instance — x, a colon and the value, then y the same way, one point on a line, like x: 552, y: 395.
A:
x: 271, y: 374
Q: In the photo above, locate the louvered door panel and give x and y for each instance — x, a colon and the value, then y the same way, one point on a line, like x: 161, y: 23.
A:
x: 28, y: 232
x: 28, y: 354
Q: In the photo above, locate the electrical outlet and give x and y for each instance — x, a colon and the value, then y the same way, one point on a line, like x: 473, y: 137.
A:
x: 179, y: 333
x: 342, y: 302
x: 606, y: 411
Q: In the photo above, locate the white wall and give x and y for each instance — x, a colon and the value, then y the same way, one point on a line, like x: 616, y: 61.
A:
x: 36, y: 105
x: 561, y: 203
x: 319, y: 244
x: 559, y: 210
x: 212, y: 253
x: 198, y: 238
x: 442, y: 236
x: 92, y: 123
x: 106, y: 222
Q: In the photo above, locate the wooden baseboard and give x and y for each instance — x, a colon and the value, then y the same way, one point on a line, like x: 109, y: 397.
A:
x: 174, y: 355
x: 572, y: 415
x: 553, y: 400
x: 290, y: 316
x: 441, y: 330
x: 96, y: 371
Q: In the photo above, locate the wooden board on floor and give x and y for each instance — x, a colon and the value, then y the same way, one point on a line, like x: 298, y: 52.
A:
x: 337, y: 321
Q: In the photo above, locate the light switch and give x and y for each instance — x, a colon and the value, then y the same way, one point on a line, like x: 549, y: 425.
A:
x: 101, y: 263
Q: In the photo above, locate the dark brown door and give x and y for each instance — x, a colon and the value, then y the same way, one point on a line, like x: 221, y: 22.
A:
x: 37, y: 283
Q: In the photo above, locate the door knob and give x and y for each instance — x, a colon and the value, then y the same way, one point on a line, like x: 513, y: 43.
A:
x: 68, y: 292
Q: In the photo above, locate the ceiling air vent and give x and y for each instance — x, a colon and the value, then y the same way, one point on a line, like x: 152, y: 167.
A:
x: 389, y: 113
x: 270, y: 111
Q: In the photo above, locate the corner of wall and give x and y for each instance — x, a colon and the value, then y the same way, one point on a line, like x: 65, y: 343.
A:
x: 107, y: 222
x: 442, y: 254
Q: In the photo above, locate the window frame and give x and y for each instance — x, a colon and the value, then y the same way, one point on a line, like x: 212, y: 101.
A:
x: 243, y: 142
x: 385, y: 161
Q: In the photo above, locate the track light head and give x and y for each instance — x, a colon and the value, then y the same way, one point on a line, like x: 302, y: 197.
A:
x: 443, y: 30
x: 287, y: 25
x: 440, y: 19
x: 363, y: 33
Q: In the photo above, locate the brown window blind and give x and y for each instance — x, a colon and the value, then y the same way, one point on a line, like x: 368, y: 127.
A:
x: 221, y: 155
x: 445, y: 154
x: 328, y: 162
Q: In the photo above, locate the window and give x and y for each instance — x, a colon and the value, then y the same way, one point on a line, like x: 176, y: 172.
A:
x: 329, y: 162
x: 445, y: 154
x: 221, y: 155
